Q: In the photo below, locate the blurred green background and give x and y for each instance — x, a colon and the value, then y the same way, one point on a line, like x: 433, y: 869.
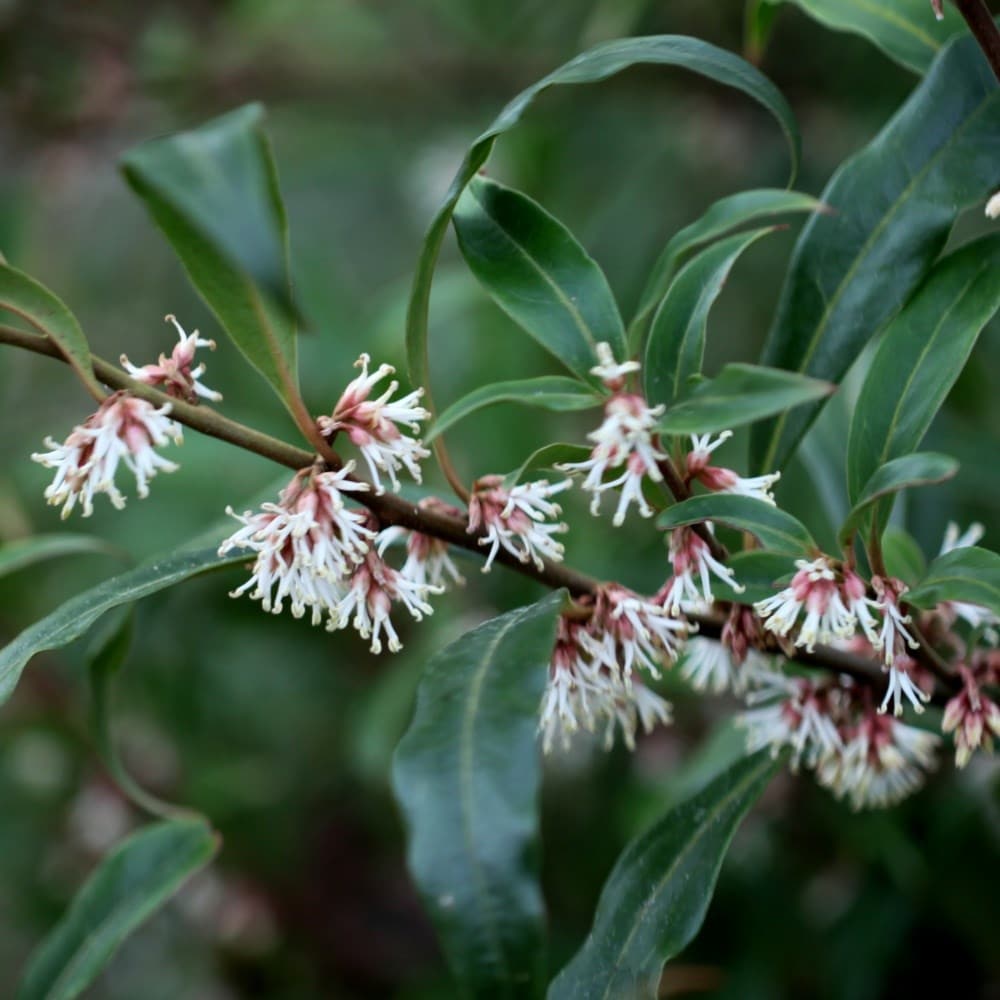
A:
x: 283, y: 734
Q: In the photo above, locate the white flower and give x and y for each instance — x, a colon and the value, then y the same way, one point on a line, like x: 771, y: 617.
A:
x: 901, y: 685
x: 974, y: 615
x: 973, y: 717
x: 516, y: 520
x: 693, y: 564
x: 174, y: 375
x: 373, y: 424
x: 993, y: 207
x: 305, y: 544
x: 893, y: 634
x: 722, y: 480
x: 709, y: 666
x: 124, y: 429
x: 612, y: 374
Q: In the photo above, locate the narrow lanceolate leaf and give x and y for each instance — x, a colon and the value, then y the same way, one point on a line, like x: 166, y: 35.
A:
x: 547, y: 457
x: 895, y: 203
x: 551, y: 392
x: 19, y: 555
x: 922, y: 468
x: 596, y: 64
x: 968, y: 576
x: 676, y: 345
x: 757, y: 571
x: 538, y: 274
x: 905, y: 30
x: 129, y: 885
x: 776, y: 529
x: 902, y: 555
x: 51, y: 317
x: 214, y: 193
x: 467, y: 775
x: 921, y: 355
x: 656, y: 897
x: 738, y: 395
x: 72, y: 619
x: 723, y: 216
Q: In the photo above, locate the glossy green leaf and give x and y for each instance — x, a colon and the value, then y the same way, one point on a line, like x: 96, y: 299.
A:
x: 129, y: 885
x: 656, y: 897
x: 905, y: 30
x: 676, y: 345
x: 757, y: 571
x: 921, y: 355
x: 551, y: 392
x: 895, y: 203
x: 969, y: 576
x: 549, y: 456
x: 538, y: 274
x: 467, y: 774
x: 758, y: 24
x: 723, y: 216
x: 902, y: 555
x: 51, y: 317
x: 213, y: 191
x: 72, y: 619
x: 738, y: 395
x: 592, y: 66
x: 776, y: 529
x: 922, y: 468
x: 26, y: 552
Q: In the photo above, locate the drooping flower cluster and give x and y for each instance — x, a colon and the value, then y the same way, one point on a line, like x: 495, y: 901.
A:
x: 372, y: 425
x: 428, y: 559
x: 972, y: 716
x: 860, y: 754
x: 594, y: 677
x: 174, y: 375
x: 519, y: 520
x: 690, y: 586
x: 722, y: 480
x: 124, y: 430
x: 625, y: 438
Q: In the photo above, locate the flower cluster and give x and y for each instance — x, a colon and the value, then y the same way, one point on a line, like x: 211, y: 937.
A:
x: 690, y: 587
x: 971, y: 716
x: 372, y: 425
x: 593, y: 680
x: 174, y: 375
x: 719, y: 479
x: 124, y: 430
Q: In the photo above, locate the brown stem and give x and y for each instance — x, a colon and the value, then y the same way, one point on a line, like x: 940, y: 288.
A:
x: 391, y: 509
x: 980, y: 21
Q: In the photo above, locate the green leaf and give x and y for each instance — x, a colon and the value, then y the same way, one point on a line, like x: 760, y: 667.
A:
x: 596, y: 64
x: 758, y: 24
x: 466, y: 775
x: 72, y: 619
x: 547, y: 457
x: 19, y: 555
x: 922, y: 468
x: 921, y: 355
x: 214, y: 193
x: 968, y: 576
x: 724, y: 215
x: 740, y: 394
x: 552, y: 392
x: 51, y: 317
x: 905, y: 30
x: 129, y: 885
x: 775, y: 529
x: 902, y: 555
x: 757, y: 571
x: 676, y: 345
x: 656, y: 897
x: 538, y: 274
x: 895, y: 204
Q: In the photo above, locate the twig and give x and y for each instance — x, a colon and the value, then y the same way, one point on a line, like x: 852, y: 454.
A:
x: 980, y: 21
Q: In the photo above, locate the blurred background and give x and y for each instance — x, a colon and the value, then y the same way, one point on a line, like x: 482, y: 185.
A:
x: 283, y: 734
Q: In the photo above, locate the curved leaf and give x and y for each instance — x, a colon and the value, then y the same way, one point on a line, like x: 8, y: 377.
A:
x: 896, y: 202
x: 549, y: 456
x: 26, y: 552
x: 467, y: 775
x: 757, y: 571
x: 214, y: 193
x: 902, y: 555
x: 776, y: 529
x: 551, y: 392
x: 676, y: 345
x: 738, y: 395
x: 596, y: 64
x: 722, y: 216
x: 51, y: 317
x: 905, y: 30
x: 129, y: 885
x: 922, y: 468
x: 538, y: 274
x: 969, y: 576
x: 656, y: 897
x: 920, y: 357
x: 72, y: 619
